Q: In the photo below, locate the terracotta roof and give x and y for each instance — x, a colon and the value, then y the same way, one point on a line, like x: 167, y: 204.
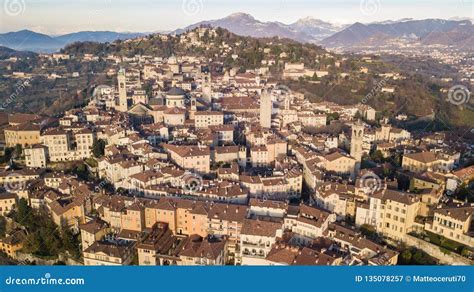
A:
x: 260, y: 227
x: 458, y: 213
x: 424, y: 157
x: 7, y: 196
x: 228, y: 212
x: 401, y: 197
x: 112, y: 250
x: 188, y: 151
x: 94, y: 226
x: 197, y: 247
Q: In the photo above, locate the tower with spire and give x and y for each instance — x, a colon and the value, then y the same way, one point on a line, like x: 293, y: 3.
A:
x: 356, y: 142
x: 266, y: 106
x: 122, y: 105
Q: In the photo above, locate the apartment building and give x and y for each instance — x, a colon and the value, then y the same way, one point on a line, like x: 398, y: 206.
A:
x: 12, y: 243
x: 65, y: 145
x: 159, y: 241
x: 399, y: 213
x: 22, y: 134
x: 58, y: 142
x: 428, y: 161
x: 207, y: 251
x: 92, y: 231
x: 7, y: 203
x: 259, y: 156
x: 109, y: 254
x: 256, y: 240
x: 339, y: 163
x: 205, y: 119
x: 184, y: 217
x: 453, y: 222
x: 67, y: 212
x: 309, y: 223
x: 197, y: 158
x: 36, y: 156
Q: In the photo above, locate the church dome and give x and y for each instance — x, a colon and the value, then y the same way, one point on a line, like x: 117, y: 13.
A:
x: 175, y: 91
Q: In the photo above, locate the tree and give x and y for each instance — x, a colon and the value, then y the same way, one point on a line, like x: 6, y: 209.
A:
x: 377, y: 156
x: 415, y: 256
x: 7, y: 156
x: 98, y: 148
x: 405, y: 256
x: 332, y: 117
x: 43, y: 237
x: 23, y: 214
x: 81, y: 171
x: 18, y: 150
x: 71, y: 242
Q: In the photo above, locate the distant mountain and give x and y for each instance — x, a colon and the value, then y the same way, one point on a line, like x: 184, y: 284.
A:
x: 304, y: 30
x: 459, y: 33
x: 27, y: 40
x: 316, y: 28
x: 6, y: 53
x: 96, y: 36
x: 428, y: 31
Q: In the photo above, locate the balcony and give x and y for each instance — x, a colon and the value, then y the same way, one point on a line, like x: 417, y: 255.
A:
x: 246, y: 243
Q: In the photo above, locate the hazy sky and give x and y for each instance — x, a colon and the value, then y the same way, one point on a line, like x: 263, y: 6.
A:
x: 63, y: 16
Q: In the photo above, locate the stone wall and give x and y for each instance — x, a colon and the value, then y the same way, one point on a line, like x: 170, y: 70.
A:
x: 23, y: 257
x: 450, y: 258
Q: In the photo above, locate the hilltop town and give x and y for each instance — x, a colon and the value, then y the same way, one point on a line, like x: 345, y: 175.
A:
x: 201, y: 156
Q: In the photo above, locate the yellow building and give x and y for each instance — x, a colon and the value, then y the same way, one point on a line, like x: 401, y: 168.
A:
x: 164, y: 211
x: 184, y: 217
x: 67, y: 213
x: 23, y: 134
x: 15, y: 180
x: 428, y: 161
x: 399, y: 213
x: 453, y: 223
x: 12, y: 243
x: 7, y: 203
x: 93, y: 231
x: 339, y: 163
x: 133, y: 217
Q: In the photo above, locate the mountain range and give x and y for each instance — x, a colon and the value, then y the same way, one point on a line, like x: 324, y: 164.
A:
x: 304, y: 30
x: 455, y: 32
x: 6, y: 53
x: 458, y: 33
x: 27, y: 40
